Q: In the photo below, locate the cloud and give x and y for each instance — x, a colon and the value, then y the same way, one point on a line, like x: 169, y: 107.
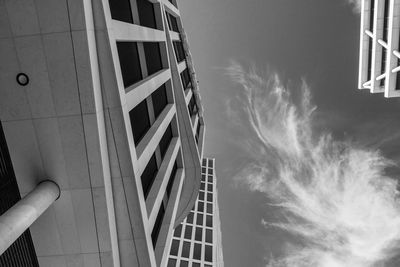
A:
x: 356, y: 4
x: 334, y: 196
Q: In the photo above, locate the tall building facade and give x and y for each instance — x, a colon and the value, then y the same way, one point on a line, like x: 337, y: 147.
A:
x: 197, y: 240
x: 103, y: 131
x: 379, y: 59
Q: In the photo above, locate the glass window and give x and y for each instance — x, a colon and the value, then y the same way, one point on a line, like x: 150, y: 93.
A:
x: 148, y: 175
x: 153, y: 56
x: 171, y: 263
x: 186, y: 249
x: 174, y: 247
x: 200, y: 206
x: 202, y: 186
x: 121, y: 10
x: 210, y: 163
x: 199, y: 220
x: 203, y: 170
x: 140, y: 121
x: 172, y: 22
x: 209, y: 220
x: 157, y: 225
x: 197, y: 251
x: 178, y: 231
x: 171, y: 179
x: 210, y: 171
x: 129, y: 62
x: 210, y: 187
x: 209, y: 197
x: 188, y: 232
x: 185, y: 77
x: 210, y: 179
x: 165, y: 141
x: 203, y: 177
x: 146, y: 14
x: 199, y: 234
x: 209, y: 208
x: 189, y: 218
x: 208, y: 235
x: 201, y: 195
x: 204, y: 162
x: 208, y: 253
x: 160, y: 100
x: 195, y: 264
x: 179, y: 51
x: 184, y: 263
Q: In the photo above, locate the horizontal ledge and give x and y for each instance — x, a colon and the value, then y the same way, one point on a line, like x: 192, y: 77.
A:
x: 124, y: 31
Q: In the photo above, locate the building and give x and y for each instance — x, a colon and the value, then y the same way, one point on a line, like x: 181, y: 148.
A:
x: 379, y: 60
x: 197, y: 240
x: 103, y: 132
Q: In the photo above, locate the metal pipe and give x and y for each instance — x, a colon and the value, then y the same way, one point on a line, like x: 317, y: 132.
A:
x: 15, y: 221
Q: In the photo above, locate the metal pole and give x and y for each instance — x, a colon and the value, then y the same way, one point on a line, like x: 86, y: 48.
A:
x: 15, y: 221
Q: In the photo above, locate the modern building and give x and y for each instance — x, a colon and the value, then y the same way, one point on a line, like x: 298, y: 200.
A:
x: 103, y: 132
x: 379, y: 60
x: 197, y: 240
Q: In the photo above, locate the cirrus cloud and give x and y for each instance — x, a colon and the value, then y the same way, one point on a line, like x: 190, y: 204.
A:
x: 334, y: 196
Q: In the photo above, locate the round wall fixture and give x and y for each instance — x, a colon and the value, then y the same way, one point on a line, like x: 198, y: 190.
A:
x: 22, y: 79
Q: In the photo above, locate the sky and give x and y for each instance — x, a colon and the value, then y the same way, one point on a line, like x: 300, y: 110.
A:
x: 306, y: 163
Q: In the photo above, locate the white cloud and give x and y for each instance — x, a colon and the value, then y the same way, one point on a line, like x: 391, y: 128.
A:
x: 333, y: 195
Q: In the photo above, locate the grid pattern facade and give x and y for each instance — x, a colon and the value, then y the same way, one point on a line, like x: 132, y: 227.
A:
x: 197, y: 240
x: 379, y: 59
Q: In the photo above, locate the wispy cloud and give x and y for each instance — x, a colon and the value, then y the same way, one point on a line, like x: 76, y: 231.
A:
x: 334, y: 196
x: 356, y: 4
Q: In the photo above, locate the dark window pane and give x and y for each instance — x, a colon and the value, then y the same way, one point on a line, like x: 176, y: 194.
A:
x: 210, y: 179
x: 121, y: 10
x: 209, y: 187
x: 178, y: 231
x: 160, y: 100
x: 193, y: 109
x: 185, y: 77
x: 146, y: 14
x: 171, y: 179
x: 202, y: 186
x: 165, y: 141
x: 174, y: 247
x: 198, y: 234
x: 208, y: 235
x: 186, y: 249
x: 199, y: 219
x: 210, y: 163
x: 203, y: 170
x: 179, y: 51
x: 371, y: 16
x: 206, y: 265
x: 148, y: 175
x: 129, y: 62
x: 204, y: 162
x: 208, y: 253
x: 210, y: 171
x: 188, y: 232
x: 140, y: 121
x: 184, y: 263
x: 172, y: 22
x: 171, y: 263
x: 203, y: 177
x: 190, y: 217
x: 209, y: 197
x: 195, y: 264
x: 201, y: 195
x: 157, y: 225
x: 153, y: 57
x: 200, y: 206
x: 209, y: 208
x: 386, y: 20
x: 209, y: 220
x: 197, y: 251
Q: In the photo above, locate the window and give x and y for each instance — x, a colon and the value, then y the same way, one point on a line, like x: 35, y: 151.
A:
x: 195, y: 264
x: 175, y: 247
x: 186, y: 249
x: 203, y: 177
x: 188, y: 232
x: 157, y: 225
x: 165, y: 141
x: 210, y: 171
x: 209, y: 208
x: 198, y: 234
x: 121, y: 10
x: 371, y: 16
x: 204, y: 162
x: 129, y: 62
x: 140, y: 121
x: 185, y: 77
x: 202, y: 186
x: 209, y: 197
x: 208, y: 235
x: 147, y: 15
x: 172, y: 22
x: 184, y: 263
x: 210, y: 163
x: 210, y: 187
x: 178, y: 231
x: 159, y: 99
x: 200, y: 206
x: 386, y: 20
x: 171, y: 263
x: 192, y: 107
x: 179, y: 51
x: 153, y: 56
x: 210, y: 179
x: 197, y: 251
x: 199, y: 219
x: 203, y: 170
x: 208, y: 253
x: 171, y: 179
x: 190, y: 217
x: 201, y: 195
x: 148, y: 175
x: 209, y: 220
